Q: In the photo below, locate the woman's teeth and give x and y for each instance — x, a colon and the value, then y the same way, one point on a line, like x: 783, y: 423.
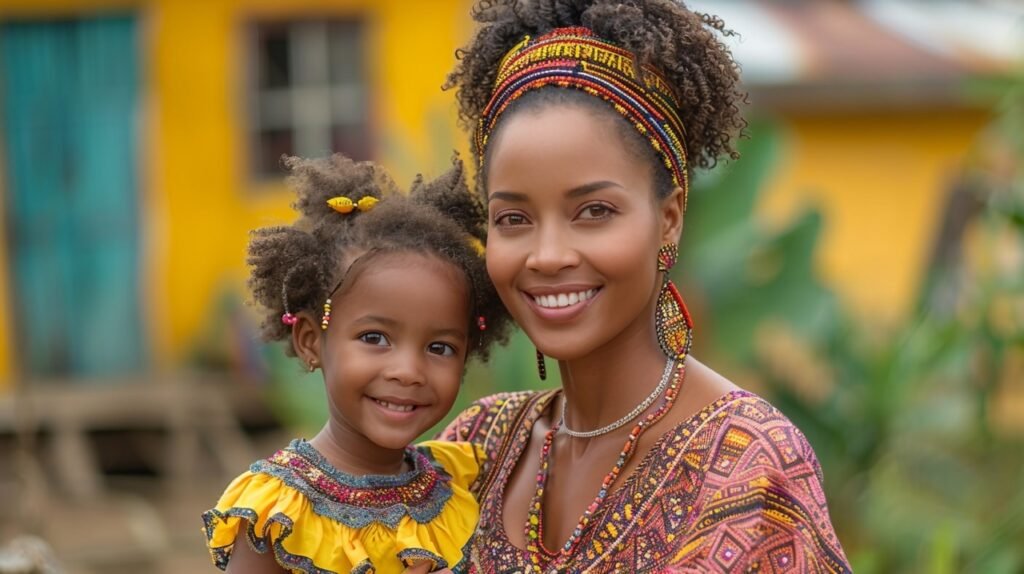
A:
x: 394, y: 407
x: 563, y: 299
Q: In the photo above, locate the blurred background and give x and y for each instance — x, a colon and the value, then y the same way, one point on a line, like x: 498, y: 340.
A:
x: 862, y: 266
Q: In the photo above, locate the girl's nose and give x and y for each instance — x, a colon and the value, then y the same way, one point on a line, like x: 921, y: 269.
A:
x: 406, y: 368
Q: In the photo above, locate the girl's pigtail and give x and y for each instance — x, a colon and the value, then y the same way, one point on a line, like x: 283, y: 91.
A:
x: 282, y: 260
x: 450, y: 195
x: 333, y: 191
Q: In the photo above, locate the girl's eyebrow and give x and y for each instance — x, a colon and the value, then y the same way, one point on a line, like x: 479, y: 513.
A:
x: 456, y: 333
x: 386, y: 321
x: 577, y: 191
x: 376, y: 319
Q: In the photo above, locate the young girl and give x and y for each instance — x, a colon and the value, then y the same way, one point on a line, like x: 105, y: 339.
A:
x: 387, y: 295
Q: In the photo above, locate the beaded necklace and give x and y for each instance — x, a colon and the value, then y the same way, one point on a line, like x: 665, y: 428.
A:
x: 534, y: 528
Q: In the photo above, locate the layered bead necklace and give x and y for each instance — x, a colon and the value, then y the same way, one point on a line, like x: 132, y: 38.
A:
x: 534, y: 527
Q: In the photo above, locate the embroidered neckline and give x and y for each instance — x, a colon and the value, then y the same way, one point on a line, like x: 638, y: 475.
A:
x: 357, y: 501
x: 684, y: 429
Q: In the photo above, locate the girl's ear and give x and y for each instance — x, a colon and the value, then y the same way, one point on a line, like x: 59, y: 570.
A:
x: 671, y: 215
x: 306, y: 339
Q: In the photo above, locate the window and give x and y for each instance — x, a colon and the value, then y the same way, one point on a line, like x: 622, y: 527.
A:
x: 308, y: 92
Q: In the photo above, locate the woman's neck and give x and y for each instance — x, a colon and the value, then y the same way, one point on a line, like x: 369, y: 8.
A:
x: 351, y: 452
x: 609, y: 382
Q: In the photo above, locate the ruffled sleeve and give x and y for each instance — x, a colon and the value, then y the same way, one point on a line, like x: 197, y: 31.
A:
x: 280, y: 519
x: 315, y: 519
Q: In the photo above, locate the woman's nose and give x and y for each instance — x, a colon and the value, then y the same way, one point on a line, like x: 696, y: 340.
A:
x: 552, y: 251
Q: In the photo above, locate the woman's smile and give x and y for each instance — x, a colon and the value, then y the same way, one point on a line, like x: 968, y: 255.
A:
x: 560, y: 303
x: 575, y: 231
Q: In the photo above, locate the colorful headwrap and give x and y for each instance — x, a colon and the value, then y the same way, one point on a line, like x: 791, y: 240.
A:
x: 575, y: 58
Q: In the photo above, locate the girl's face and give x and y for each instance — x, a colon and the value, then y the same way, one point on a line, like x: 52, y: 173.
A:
x: 574, y: 230
x: 394, y: 352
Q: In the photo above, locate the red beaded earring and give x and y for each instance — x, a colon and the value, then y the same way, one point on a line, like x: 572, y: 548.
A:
x: 672, y: 321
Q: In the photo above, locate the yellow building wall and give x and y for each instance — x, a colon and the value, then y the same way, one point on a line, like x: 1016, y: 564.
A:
x: 881, y: 181
x: 198, y: 201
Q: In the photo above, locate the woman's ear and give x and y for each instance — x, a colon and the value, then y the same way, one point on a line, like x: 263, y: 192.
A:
x: 306, y: 339
x: 671, y: 215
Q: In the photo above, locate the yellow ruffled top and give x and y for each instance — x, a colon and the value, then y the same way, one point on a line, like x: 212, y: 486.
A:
x: 317, y: 519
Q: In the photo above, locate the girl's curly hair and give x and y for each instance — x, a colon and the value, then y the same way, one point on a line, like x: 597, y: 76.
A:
x: 684, y: 46
x: 299, y: 264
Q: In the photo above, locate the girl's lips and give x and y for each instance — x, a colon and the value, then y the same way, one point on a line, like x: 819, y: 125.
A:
x: 561, y: 313
x: 393, y: 407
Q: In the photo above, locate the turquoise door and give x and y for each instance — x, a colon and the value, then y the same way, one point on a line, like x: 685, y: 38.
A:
x: 70, y: 139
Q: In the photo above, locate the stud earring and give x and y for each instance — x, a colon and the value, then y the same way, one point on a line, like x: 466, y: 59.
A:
x: 311, y: 365
x: 542, y: 369
x: 672, y: 322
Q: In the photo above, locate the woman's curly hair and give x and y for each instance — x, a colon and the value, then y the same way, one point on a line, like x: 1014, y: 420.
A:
x: 684, y: 46
x: 298, y: 265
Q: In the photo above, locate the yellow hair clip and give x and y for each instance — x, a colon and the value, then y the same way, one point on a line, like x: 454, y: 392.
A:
x: 346, y: 205
x: 477, y: 246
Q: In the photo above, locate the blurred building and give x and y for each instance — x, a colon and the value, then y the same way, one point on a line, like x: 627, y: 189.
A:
x: 139, y: 142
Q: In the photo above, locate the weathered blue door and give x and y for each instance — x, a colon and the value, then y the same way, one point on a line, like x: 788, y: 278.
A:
x: 70, y: 112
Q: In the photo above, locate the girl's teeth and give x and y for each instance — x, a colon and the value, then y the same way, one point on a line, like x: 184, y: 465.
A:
x: 563, y: 299
x: 394, y: 407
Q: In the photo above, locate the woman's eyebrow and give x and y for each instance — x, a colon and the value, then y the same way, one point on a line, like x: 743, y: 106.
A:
x: 577, y: 191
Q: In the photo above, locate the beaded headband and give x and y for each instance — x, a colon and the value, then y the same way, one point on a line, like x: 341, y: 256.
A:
x: 575, y: 58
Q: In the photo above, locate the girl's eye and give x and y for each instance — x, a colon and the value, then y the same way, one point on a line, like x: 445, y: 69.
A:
x: 510, y: 220
x: 443, y: 349
x: 595, y: 211
x: 374, y: 338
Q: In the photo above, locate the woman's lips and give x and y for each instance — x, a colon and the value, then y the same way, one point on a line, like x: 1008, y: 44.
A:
x: 560, y: 303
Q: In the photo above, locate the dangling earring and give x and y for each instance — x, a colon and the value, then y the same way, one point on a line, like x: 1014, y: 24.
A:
x: 542, y: 369
x: 327, y: 315
x: 311, y: 365
x: 672, y: 321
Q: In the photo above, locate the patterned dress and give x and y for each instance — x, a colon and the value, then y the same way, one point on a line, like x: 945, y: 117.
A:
x: 316, y: 519
x: 734, y: 488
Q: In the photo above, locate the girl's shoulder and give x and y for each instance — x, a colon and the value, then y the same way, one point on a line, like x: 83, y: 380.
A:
x: 293, y: 500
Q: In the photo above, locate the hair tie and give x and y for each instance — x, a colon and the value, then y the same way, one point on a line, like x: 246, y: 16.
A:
x: 477, y: 245
x: 343, y: 204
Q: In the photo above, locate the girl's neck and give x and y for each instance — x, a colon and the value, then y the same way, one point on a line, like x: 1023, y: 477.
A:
x: 352, y: 453
x: 607, y: 383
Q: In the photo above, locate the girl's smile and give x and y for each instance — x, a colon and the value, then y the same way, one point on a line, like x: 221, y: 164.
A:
x: 392, y: 370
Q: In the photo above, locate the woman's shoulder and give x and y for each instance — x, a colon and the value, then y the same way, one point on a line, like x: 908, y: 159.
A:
x: 741, y: 461
x: 754, y: 430
x: 491, y: 417
x: 742, y: 430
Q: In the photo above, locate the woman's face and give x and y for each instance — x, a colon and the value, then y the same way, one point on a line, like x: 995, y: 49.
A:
x: 574, y: 230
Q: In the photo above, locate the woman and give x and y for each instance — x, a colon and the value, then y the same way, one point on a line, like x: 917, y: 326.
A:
x: 589, y: 115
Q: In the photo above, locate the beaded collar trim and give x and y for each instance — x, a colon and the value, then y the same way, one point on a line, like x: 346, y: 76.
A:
x: 575, y: 58
x: 357, y: 501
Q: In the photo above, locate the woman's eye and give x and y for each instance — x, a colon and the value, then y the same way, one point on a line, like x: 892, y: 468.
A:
x: 443, y: 349
x: 510, y: 220
x: 373, y: 338
x: 595, y: 211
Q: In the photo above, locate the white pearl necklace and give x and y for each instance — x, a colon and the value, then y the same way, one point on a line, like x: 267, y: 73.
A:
x: 665, y: 378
